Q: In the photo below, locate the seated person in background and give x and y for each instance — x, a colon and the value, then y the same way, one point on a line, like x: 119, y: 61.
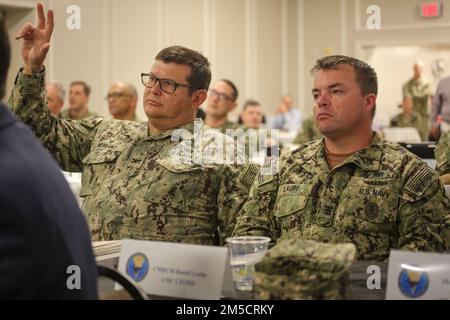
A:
x: 122, y: 100
x: 55, y: 97
x: 252, y: 118
x: 351, y: 186
x: 252, y: 115
x: 308, y: 132
x: 408, y: 117
x: 221, y: 101
x: 286, y: 116
x: 132, y: 184
x: 442, y: 153
x: 78, y: 102
x: 43, y: 233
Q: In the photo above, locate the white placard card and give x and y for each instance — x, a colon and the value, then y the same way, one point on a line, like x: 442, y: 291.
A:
x: 173, y: 269
x: 418, y: 276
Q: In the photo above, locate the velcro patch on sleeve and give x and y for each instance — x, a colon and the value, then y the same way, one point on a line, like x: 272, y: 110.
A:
x: 247, y: 177
x: 420, y: 180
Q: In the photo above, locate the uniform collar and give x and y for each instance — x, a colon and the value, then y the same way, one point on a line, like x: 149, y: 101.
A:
x: 168, y: 133
x: 368, y: 158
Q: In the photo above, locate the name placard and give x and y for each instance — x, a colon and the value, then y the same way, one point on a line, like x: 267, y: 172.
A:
x: 173, y: 269
x: 418, y: 276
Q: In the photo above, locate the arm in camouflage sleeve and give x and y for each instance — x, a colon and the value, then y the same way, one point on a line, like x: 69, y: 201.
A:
x: 256, y: 217
x: 68, y: 141
x: 424, y: 212
x: 234, y: 189
x: 442, y: 154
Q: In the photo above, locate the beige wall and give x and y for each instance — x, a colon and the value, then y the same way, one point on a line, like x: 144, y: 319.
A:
x: 265, y: 46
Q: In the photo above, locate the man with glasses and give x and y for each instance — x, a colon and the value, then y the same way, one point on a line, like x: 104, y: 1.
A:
x: 122, y: 100
x: 132, y: 185
x: 55, y: 97
x: 221, y: 101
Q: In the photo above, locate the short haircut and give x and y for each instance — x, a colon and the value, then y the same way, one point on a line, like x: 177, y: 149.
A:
x: 235, y: 93
x: 366, y: 76
x: 249, y: 103
x: 200, y: 76
x: 5, y: 53
x: 86, y: 87
x: 60, y: 89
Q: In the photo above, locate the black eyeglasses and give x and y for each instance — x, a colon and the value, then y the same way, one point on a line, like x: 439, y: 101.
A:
x: 168, y: 86
x: 220, y: 95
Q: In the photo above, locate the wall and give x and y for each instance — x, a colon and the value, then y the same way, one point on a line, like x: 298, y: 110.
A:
x: 339, y: 27
x: 265, y: 46
x: 119, y: 39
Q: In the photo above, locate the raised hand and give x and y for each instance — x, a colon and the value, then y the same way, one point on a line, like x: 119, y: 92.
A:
x: 36, y: 41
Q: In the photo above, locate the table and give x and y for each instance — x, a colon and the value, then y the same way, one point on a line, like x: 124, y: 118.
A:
x: 358, y: 279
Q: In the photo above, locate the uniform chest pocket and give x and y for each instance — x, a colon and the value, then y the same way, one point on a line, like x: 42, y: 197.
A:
x: 373, y: 202
x: 290, y: 206
x: 96, y: 167
x: 173, y: 184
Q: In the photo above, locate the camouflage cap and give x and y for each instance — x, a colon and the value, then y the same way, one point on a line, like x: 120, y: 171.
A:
x: 304, y: 269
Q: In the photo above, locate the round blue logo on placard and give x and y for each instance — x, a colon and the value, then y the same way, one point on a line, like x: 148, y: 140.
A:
x: 137, y: 267
x: 413, y: 284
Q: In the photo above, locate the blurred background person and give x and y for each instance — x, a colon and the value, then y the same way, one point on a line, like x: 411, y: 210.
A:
x: 419, y: 88
x: 55, y: 97
x: 122, y: 100
x: 408, y: 117
x: 252, y: 116
x: 308, y: 132
x: 221, y: 101
x: 78, y: 102
x: 440, y: 110
x: 286, y: 116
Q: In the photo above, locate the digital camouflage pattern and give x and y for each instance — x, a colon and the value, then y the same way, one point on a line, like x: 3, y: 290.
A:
x: 379, y: 198
x: 401, y: 121
x: 132, y: 187
x: 304, y: 269
x: 66, y: 115
x: 420, y: 90
x: 442, y: 154
x: 308, y: 132
x: 228, y: 125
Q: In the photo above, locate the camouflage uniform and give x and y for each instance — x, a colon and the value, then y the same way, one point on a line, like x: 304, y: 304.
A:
x: 228, y: 125
x: 379, y: 198
x: 420, y: 91
x: 302, y: 269
x: 413, y: 121
x: 308, y: 132
x: 66, y: 115
x: 131, y: 185
x: 442, y: 153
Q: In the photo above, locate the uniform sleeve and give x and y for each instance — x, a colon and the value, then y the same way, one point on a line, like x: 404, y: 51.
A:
x: 436, y: 103
x: 68, y: 141
x: 256, y: 217
x: 234, y: 188
x: 442, y: 154
x: 424, y: 215
x: 406, y: 90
